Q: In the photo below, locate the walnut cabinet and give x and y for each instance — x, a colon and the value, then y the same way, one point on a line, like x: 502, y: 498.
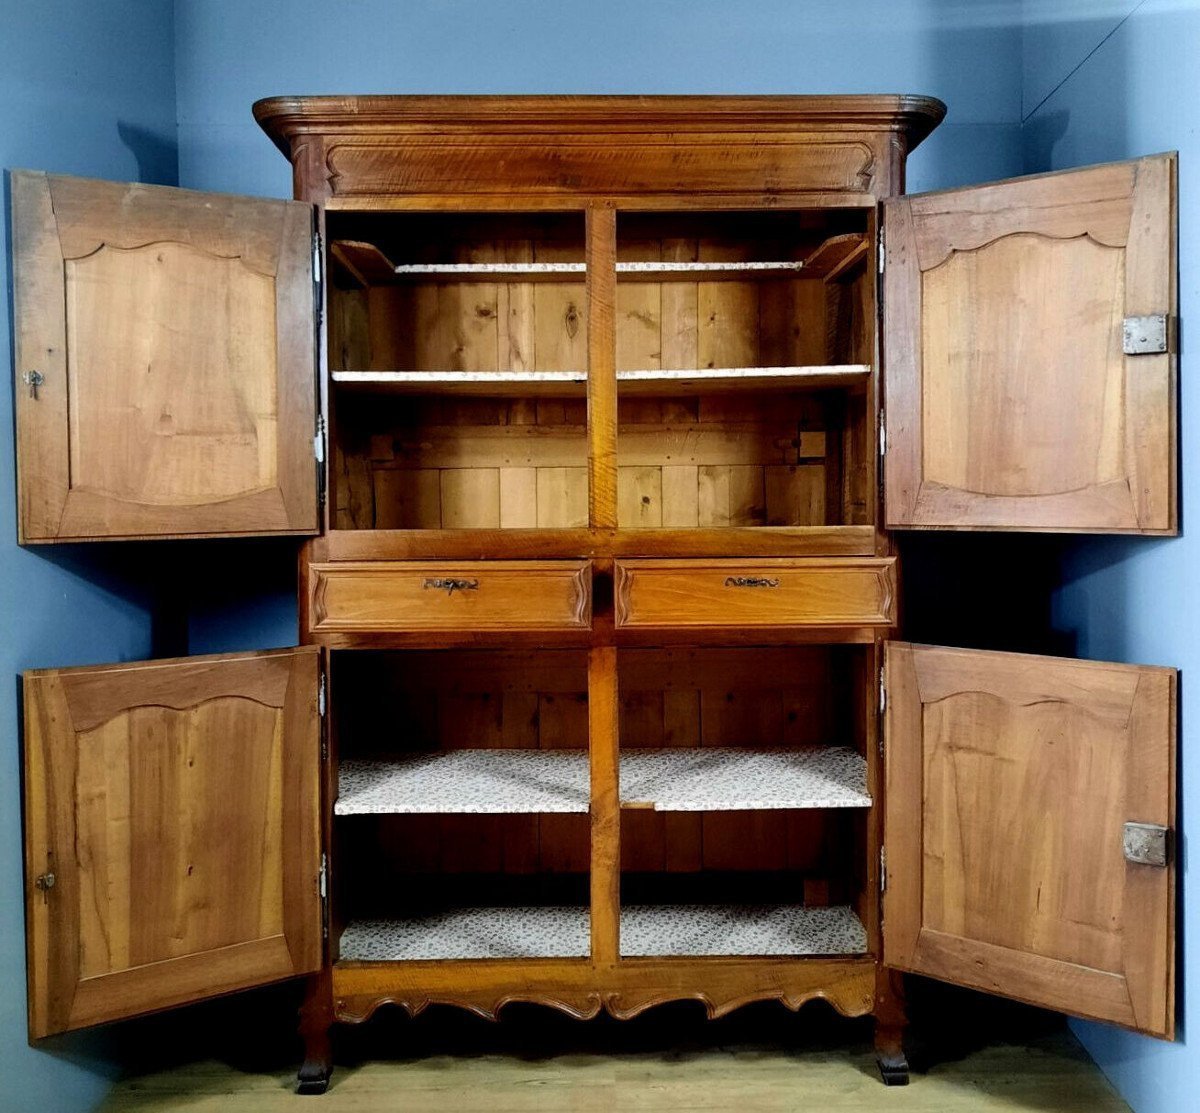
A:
x: 597, y: 415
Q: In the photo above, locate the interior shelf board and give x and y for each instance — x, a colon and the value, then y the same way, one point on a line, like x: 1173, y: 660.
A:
x: 504, y: 781
x: 709, y: 779
x: 475, y: 782
x: 726, y: 930
x: 368, y: 265
x: 543, y: 931
x: 650, y: 381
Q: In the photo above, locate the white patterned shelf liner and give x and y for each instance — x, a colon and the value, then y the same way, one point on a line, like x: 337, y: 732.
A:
x: 758, y: 378
x: 739, y: 929
x: 490, y: 782
x: 453, y: 270
x: 523, y: 932
x: 477, y: 782
x: 704, y: 930
x: 711, y: 779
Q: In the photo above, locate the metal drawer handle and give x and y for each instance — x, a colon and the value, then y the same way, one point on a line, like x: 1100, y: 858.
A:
x: 751, y: 581
x: 451, y: 586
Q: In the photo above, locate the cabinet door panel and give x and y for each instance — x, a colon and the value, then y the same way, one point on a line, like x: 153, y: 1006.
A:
x: 1011, y: 403
x: 176, y: 804
x: 173, y: 336
x: 1010, y: 779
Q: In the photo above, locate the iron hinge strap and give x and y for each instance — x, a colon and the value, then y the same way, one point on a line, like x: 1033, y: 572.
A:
x: 883, y: 876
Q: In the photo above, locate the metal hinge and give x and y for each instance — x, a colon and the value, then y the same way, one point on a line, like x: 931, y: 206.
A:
x: 319, y: 439
x: 323, y: 891
x: 883, y: 879
x: 322, y: 706
x: 1146, y: 335
x: 882, y: 434
x: 1145, y: 844
x: 318, y: 264
x: 882, y: 692
x: 882, y: 251
x: 319, y: 456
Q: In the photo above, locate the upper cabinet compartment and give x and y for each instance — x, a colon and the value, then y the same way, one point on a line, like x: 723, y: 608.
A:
x: 164, y: 361
x: 744, y: 351
x: 458, y: 356
x: 1029, y: 353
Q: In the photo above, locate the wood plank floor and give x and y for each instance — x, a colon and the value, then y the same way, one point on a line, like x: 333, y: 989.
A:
x: 767, y: 1061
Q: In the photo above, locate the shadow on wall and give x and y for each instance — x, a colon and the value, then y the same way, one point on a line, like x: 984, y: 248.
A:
x: 157, y: 156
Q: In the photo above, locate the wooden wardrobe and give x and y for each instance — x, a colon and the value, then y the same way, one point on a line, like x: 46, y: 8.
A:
x: 595, y: 416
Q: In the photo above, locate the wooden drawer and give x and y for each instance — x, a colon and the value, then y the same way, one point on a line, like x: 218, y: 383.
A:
x: 459, y: 596
x: 729, y: 594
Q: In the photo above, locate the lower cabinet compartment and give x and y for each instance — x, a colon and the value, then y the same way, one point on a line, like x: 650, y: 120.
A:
x: 442, y: 916
x: 464, y: 824
x: 746, y: 801
x: 460, y: 824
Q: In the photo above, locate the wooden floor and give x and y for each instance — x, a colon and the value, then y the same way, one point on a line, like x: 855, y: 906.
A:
x: 749, y: 1063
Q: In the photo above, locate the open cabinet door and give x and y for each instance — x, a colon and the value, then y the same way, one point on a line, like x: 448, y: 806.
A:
x: 1028, y: 353
x: 171, y: 832
x: 165, y: 362
x: 1029, y: 807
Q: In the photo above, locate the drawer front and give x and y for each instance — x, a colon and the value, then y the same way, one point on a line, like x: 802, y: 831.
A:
x: 725, y: 594
x: 402, y: 596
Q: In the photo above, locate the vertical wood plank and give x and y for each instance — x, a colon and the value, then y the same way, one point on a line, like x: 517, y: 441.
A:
x: 680, y: 495
x: 602, y: 367
x: 470, y: 498
x: 639, y: 497
x: 561, y: 497
x: 407, y: 498
x: 605, y: 804
x: 518, y: 497
x: 679, y: 309
x: 515, y: 312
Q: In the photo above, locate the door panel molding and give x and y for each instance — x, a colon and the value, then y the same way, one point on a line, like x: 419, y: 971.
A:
x: 1010, y: 401
x: 173, y: 335
x: 1009, y: 780
x: 177, y: 805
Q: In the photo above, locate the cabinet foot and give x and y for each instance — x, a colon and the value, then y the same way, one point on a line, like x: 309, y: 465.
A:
x: 893, y: 1069
x: 313, y: 1077
x: 890, y: 1023
x: 316, y: 1020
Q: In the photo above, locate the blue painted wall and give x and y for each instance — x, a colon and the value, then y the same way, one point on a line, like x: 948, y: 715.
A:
x: 1112, y: 80
x: 86, y: 89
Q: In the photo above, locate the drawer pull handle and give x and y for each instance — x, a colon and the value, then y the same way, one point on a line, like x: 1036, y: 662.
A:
x: 751, y: 581
x: 451, y: 586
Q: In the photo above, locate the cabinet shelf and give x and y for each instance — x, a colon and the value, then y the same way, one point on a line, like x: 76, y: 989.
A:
x: 712, y: 779
x: 645, y: 382
x: 722, y: 930
x: 368, y: 265
x: 540, y: 931
x: 503, y: 781
x: 647, y: 931
x: 474, y: 782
